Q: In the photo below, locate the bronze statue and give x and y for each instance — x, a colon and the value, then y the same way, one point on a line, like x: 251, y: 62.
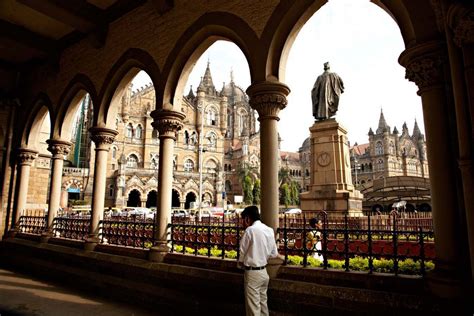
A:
x: 325, y: 94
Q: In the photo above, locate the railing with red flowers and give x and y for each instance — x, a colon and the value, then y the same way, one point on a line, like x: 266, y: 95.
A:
x: 216, y: 237
x: 357, y: 244
x: 71, y: 227
x: 135, y: 231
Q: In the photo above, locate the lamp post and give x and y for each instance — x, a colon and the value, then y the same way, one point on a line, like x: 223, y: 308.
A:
x: 354, y: 159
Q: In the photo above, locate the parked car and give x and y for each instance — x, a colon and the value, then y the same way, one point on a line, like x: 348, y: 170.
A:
x: 138, y: 211
x: 180, y: 213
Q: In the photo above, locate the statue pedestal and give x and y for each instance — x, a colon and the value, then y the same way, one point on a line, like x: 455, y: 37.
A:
x: 331, y: 187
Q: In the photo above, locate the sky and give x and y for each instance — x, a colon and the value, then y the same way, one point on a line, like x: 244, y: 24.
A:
x: 361, y: 42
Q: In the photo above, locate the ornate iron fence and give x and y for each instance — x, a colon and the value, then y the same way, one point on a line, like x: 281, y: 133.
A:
x: 76, y: 228
x: 360, y: 247
x: 217, y: 237
x: 32, y: 225
x: 136, y: 232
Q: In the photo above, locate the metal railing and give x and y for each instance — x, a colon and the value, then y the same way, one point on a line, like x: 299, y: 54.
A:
x: 216, y: 236
x: 73, y: 227
x: 135, y: 231
x: 370, y: 247
x: 32, y: 225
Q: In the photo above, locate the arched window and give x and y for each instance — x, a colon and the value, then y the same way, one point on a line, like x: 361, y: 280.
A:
x: 212, y: 117
x: 211, y: 166
x: 307, y: 172
x: 114, y: 152
x: 132, y: 161
x: 111, y: 191
x: 379, y: 148
x: 154, y: 134
x: 391, y: 148
x: 138, y: 132
x: 129, y: 130
x: 188, y: 165
x: 228, y: 186
x: 186, y: 137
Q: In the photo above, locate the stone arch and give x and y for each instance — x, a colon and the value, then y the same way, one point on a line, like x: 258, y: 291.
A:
x: 69, y: 101
x: 134, y: 187
x: 136, y: 153
x: 41, y: 107
x: 118, y: 78
x: 209, y: 28
x: 73, y: 182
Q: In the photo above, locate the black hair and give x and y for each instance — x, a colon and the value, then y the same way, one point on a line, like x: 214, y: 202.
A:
x: 313, y: 222
x: 251, y: 212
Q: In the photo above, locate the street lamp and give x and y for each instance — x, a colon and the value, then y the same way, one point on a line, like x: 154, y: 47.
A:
x: 356, y: 167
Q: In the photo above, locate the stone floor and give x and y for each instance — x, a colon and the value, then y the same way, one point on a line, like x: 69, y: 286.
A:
x: 23, y: 295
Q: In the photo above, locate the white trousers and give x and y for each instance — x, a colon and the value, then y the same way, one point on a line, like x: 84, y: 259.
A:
x: 256, y: 284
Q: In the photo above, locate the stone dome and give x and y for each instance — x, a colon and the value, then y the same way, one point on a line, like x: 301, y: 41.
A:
x: 234, y: 93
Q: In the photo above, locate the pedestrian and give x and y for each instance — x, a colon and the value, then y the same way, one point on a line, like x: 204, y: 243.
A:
x: 256, y: 247
x: 314, y: 238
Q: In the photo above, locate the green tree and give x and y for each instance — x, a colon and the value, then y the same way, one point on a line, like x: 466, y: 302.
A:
x: 256, y: 192
x: 285, y: 196
x: 294, y: 193
x: 247, y: 187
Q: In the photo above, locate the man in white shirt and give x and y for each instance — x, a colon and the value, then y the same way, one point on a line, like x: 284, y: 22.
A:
x: 256, y: 247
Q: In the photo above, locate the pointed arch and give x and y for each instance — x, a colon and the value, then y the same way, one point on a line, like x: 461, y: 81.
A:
x: 34, y: 120
x: 118, y: 78
x: 206, y: 30
x: 69, y: 100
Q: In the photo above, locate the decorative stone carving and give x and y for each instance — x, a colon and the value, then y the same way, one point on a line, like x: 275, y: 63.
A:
x: 324, y: 159
x: 167, y: 122
x: 268, y: 98
x: 463, y: 29
x: 424, y: 64
x: 26, y: 156
x: 59, y: 148
x: 102, y: 137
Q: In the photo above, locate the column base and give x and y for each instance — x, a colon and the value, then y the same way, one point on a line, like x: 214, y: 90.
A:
x: 91, y: 242
x: 157, y: 253
x: 273, y: 266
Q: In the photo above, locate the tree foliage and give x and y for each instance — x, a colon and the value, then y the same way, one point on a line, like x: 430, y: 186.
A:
x: 256, y: 192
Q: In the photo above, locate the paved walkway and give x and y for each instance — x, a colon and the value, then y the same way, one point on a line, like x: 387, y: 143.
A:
x: 23, y: 295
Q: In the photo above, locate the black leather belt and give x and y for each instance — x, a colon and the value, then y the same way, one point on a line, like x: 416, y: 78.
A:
x: 254, y: 268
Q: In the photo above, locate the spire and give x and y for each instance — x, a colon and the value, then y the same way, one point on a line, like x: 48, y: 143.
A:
x: 395, y: 130
x: 383, y: 127
x: 231, y: 75
x: 191, y: 93
x: 371, y: 132
x: 206, y: 82
x: 405, y: 130
x: 416, y: 131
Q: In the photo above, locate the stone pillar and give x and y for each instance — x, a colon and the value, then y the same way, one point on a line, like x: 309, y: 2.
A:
x: 168, y: 123
x: 460, y: 41
x: 26, y: 157
x: 103, y: 138
x: 268, y: 98
x: 59, y: 149
x: 424, y: 65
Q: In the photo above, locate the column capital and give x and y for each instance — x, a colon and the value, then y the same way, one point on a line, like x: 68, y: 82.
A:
x: 424, y: 64
x: 167, y: 122
x: 268, y: 98
x: 26, y: 156
x: 58, y: 147
x: 461, y: 21
x: 102, y: 137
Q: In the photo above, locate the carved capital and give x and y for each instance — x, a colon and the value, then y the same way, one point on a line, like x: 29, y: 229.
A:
x: 424, y: 64
x: 59, y: 148
x: 268, y: 98
x: 167, y: 122
x: 26, y: 156
x: 461, y: 21
x: 102, y: 137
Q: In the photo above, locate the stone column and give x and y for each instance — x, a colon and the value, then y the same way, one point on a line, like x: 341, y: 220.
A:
x: 168, y: 123
x: 460, y: 40
x: 59, y: 149
x: 424, y: 65
x: 103, y: 138
x: 26, y: 157
x: 268, y: 98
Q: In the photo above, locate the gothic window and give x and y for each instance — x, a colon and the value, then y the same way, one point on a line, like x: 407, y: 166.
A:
x: 362, y: 168
x: 111, y: 191
x: 186, y: 137
x: 129, y: 131
x: 228, y: 186
x: 307, y: 172
x: 138, y: 132
x: 154, y: 163
x: 114, y: 152
x: 378, y: 148
x: 211, y: 166
x: 391, y: 148
x: 132, y: 161
x: 211, y: 140
x: 188, y: 165
x: 370, y: 167
x: 154, y: 134
x: 380, y: 164
x: 211, y: 117
x: 230, y: 167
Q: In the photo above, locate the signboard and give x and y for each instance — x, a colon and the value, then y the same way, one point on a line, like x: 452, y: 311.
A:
x: 74, y: 190
x: 238, y: 198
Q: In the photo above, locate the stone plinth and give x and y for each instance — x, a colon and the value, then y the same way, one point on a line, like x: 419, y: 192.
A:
x: 331, y: 187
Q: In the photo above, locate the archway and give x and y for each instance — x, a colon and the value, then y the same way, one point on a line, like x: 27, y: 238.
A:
x: 151, y: 200
x: 134, y: 198
x: 175, y: 199
x: 190, y: 197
